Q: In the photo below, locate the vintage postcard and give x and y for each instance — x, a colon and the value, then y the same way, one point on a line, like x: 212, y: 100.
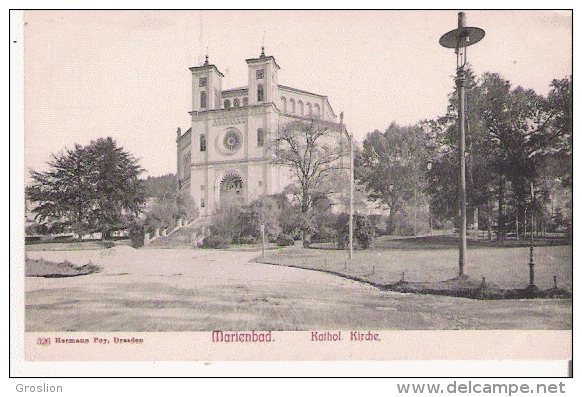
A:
x: 292, y: 186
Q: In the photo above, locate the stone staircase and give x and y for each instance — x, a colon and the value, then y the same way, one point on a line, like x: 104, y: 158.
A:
x: 190, y: 236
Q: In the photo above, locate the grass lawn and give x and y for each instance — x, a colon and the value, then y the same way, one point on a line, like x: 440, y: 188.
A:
x: 203, y: 290
x: 74, y: 245
x: 44, y: 268
x: 435, y: 259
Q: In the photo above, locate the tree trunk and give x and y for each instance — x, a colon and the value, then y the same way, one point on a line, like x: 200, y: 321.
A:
x: 500, y: 201
x: 476, y: 219
x: 105, y: 235
x: 306, y: 237
x: 517, y: 228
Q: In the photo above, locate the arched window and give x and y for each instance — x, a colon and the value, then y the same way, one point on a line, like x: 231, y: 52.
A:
x: 245, y: 101
x: 292, y: 105
x: 316, y: 110
x: 284, y: 104
x: 260, y: 137
x: 202, y: 143
x: 309, y: 111
x: 260, y: 93
x: 227, y: 103
x: 236, y: 103
x: 203, y: 99
x: 300, y: 103
x: 186, y: 166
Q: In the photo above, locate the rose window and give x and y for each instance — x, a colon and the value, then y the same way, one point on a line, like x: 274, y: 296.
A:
x: 232, y: 141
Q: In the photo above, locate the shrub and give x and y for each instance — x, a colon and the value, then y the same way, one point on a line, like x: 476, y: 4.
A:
x: 342, y: 228
x: 36, y: 229
x: 363, y: 231
x: 380, y: 223
x: 228, y: 222
x: 215, y: 241
x: 324, y: 225
x: 32, y: 239
x: 262, y: 211
x: 284, y: 240
x: 137, y: 234
x: 247, y: 240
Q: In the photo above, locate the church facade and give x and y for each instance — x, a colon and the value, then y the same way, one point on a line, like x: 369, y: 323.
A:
x: 225, y: 156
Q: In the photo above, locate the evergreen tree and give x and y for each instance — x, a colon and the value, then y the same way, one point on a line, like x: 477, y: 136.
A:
x: 93, y: 188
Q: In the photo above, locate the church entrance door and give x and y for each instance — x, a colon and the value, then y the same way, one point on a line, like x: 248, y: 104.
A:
x: 231, y: 191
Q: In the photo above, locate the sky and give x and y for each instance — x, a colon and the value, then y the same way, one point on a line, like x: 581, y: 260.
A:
x: 124, y: 74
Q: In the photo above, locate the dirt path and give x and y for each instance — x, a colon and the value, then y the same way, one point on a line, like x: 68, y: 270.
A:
x: 202, y: 290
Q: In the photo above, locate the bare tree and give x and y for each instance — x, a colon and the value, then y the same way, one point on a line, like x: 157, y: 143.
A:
x: 316, y: 153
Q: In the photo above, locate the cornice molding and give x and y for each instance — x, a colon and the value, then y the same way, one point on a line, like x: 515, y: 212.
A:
x: 232, y: 113
x: 256, y: 160
x: 231, y: 120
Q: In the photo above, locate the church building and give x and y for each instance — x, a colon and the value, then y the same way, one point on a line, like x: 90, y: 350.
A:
x: 225, y: 157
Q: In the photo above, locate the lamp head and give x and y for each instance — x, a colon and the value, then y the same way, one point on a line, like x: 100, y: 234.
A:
x: 461, y: 38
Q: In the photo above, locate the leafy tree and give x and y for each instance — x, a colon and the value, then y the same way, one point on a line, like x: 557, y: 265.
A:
x: 526, y: 133
x: 160, y: 186
x: 168, y: 205
x: 482, y: 177
x: 262, y: 211
x: 168, y: 208
x: 323, y: 221
x: 393, y: 166
x: 93, y: 188
x: 289, y: 217
x: 556, y: 141
x: 313, y: 151
x: 556, y: 159
x: 243, y: 223
x: 514, y: 137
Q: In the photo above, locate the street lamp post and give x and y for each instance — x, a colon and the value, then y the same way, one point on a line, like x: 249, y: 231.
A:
x: 351, y: 221
x: 532, y: 285
x: 351, y: 195
x: 262, y: 240
x: 428, y: 168
x: 460, y: 39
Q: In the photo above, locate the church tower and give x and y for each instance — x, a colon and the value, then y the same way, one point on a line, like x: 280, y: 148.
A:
x: 226, y: 157
x: 206, y: 87
x: 263, y: 79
